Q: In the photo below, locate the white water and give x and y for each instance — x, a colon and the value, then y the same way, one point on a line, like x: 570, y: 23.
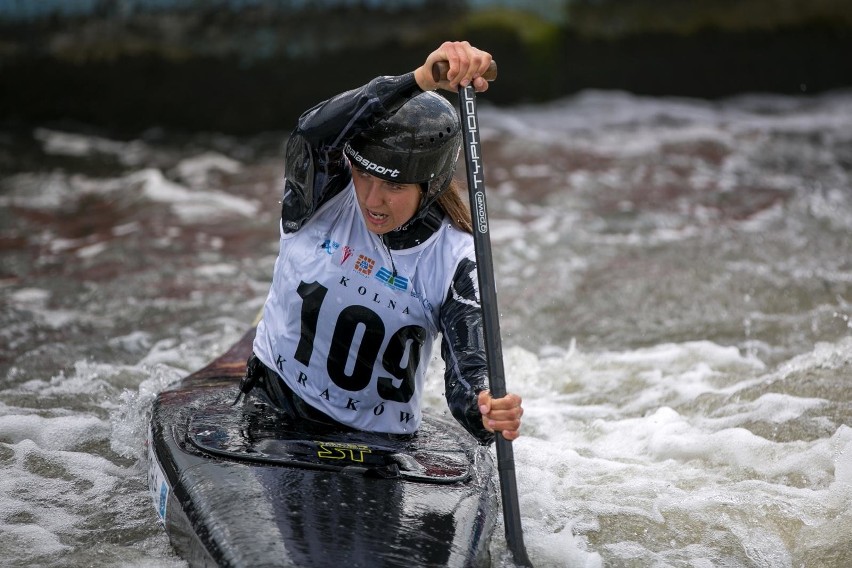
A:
x: 674, y: 282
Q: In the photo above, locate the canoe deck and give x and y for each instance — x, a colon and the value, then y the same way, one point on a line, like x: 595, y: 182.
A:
x: 240, y: 485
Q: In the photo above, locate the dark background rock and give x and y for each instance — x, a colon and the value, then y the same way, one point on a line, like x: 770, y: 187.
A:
x: 252, y: 65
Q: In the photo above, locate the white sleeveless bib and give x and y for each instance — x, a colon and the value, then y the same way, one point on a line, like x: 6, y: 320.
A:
x: 343, y: 332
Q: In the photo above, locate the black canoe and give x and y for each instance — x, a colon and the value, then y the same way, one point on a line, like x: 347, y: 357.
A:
x: 240, y: 486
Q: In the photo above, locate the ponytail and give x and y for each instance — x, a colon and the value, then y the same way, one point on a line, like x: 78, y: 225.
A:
x: 455, y: 208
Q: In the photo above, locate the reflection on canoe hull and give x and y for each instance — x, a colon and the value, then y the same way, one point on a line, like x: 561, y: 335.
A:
x: 240, y: 486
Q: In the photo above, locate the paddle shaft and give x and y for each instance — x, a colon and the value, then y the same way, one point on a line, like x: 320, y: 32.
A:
x: 491, y: 320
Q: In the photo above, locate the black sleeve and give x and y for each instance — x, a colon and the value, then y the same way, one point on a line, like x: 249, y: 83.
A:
x: 463, y: 350
x: 315, y: 168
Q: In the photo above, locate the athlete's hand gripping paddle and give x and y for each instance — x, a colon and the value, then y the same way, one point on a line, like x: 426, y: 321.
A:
x: 440, y: 69
x: 491, y: 321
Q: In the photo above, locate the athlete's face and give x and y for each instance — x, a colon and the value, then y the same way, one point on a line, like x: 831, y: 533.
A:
x: 385, y: 205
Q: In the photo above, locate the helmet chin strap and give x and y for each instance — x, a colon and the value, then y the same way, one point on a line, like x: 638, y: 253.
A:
x: 416, y: 230
x: 426, y: 203
x: 419, y: 213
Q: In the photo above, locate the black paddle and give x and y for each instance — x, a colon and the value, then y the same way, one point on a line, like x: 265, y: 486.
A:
x: 491, y: 320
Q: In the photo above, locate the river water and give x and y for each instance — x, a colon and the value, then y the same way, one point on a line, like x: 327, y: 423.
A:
x: 675, y: 288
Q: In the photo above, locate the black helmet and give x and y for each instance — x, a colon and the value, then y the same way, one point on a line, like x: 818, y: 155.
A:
x: 419, y: 144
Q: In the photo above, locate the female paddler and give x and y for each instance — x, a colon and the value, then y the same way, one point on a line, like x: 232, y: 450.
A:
x: 377, y: 261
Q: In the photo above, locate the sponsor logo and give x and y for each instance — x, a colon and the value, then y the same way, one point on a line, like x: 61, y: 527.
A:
x: 164, y: 499
x: 425, y: 301
x: 157, y: 484
x: 365, y: 265
x: 481, y: 214
x: 347, y: 252
x: 475, y: 161
x: 369, y: 165
x: 329, y: 246
x: 393, y: 280
x: 342, y: 451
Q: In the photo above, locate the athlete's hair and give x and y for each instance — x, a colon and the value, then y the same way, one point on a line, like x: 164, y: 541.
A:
x: 455, y: 207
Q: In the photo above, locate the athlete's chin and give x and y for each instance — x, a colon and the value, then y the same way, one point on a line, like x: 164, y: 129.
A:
x: 379, y: 230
